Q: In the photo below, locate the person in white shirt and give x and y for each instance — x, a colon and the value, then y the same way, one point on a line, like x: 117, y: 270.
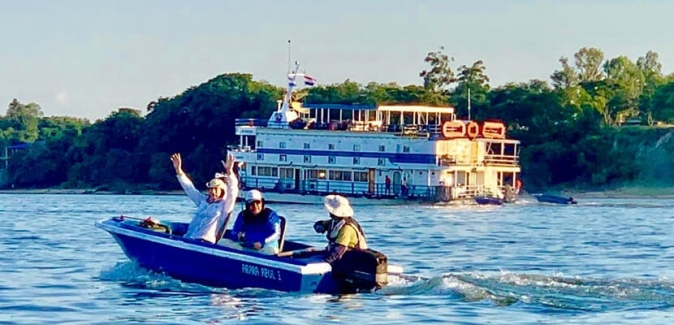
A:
x: 212, y: 209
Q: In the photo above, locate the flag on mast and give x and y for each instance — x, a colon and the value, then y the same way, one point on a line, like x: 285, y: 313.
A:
x: 309, y: 80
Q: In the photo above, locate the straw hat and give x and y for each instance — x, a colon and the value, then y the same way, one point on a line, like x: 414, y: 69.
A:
x: 217, y: 183
x: 338, y: 206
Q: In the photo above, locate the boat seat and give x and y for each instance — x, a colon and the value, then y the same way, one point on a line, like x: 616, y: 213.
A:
x: 282, y: 238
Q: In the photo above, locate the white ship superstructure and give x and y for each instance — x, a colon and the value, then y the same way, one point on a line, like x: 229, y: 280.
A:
x: 373, y: 153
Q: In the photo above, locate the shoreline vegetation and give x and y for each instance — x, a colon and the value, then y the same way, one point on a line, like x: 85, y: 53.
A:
x: 599, y: 126
x: 636, y: 192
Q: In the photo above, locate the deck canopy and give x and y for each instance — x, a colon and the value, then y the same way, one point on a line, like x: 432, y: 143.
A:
x: 416, y: 109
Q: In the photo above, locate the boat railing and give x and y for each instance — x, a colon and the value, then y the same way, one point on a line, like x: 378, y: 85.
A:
x: 414, y: 130
x: 501, y: 160
x: 434, y: 129
x: 348, y: 188
x: 250, y: 122
x: 473, y: 190
x: 240, y: 148
x: 481, y: 190
x: 458, y: 160
x: 407, y: 130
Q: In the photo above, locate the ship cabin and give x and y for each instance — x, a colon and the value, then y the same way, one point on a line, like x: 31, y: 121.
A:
x: 389, y: 151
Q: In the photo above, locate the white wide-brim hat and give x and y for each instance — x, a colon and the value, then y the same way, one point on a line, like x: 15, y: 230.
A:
x: 217, y: 183
x: 338, y: 205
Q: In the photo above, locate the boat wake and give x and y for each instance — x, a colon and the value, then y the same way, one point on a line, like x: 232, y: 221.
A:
x: 629, y: 205
x: 501, y: 289
x: 549, y: 291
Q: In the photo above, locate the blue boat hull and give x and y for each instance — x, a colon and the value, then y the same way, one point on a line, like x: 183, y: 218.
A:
x: 219, y: 266
x: 487, y: 200
x: 547, y: 198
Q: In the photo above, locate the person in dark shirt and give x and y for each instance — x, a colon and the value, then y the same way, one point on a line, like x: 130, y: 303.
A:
x: 257, y: 227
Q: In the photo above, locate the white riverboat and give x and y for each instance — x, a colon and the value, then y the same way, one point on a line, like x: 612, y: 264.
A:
x: 373, y: 154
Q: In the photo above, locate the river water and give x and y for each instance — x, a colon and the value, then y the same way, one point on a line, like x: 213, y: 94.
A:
x: 604, y: 261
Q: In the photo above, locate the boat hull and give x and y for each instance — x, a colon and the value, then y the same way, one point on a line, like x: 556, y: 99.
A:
x: 219, y: 266
x: 486, y: 200
x: 547, y: 198
x: 295, y: 198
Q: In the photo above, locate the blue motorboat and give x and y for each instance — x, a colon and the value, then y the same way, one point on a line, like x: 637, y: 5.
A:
x: 548, y: 198
x: 298, y: 267
x: 488, y: 200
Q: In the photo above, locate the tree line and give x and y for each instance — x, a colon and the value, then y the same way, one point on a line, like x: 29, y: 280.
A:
x: 569, y: 126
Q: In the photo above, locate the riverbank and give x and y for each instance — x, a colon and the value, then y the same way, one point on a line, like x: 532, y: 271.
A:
x: 89, y: 191
x: 620, y: 193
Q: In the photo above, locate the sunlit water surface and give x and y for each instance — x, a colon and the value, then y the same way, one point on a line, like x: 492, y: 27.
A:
x: 604, y: 261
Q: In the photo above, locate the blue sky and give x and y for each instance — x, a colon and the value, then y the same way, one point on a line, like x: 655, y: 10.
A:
x: 87, y: 58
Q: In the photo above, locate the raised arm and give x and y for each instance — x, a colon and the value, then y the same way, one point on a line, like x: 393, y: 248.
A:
x: 185, y: 182
x: 232, y: 183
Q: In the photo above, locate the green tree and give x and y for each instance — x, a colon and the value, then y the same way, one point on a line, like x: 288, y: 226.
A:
x: 23, y: 119
x: 624, y: 84
x: 438, y: 78
x: 471, y: 79
x: 651, y: 69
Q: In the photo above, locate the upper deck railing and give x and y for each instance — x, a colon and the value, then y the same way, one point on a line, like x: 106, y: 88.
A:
x: 501, y: 160
x: 250, y: 122
x: 403, y: 120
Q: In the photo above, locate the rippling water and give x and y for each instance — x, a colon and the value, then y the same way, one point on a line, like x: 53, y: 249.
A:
x: 603, y: 261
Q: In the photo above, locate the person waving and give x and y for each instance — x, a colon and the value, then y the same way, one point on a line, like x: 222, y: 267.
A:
x: 212, y: 209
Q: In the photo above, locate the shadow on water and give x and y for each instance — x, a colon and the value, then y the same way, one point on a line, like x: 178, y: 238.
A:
x: 553, y: 293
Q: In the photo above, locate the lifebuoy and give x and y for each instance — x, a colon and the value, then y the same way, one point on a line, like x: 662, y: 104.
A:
x: 472, y: 130
x: 453, y: 129
x: 493, y: 130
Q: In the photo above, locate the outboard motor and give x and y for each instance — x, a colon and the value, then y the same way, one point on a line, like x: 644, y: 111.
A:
x: 361, y: 270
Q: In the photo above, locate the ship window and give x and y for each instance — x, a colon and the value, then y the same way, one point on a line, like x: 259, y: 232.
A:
x: 382, y: 148
x: 331, y: 146
x: 332, y: 160
x: 260, y: 156
x: 339, y: 175
x: 356, y: 160
x: 381, y: 161
x: 307, y: 159
x: 356, y: 147
x: 406, y: 149
x: 315, y: 173
x: 282, y: 158
x: 307, y: 145
x: 281, y: 145
x: 267, y: 171
x: 286, y: 173
x: 253, y: 170
x: 360, y: 176
x: 259, y: 144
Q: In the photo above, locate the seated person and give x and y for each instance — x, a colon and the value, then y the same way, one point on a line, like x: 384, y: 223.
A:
x: 257, y: 228
x: 343, y: 231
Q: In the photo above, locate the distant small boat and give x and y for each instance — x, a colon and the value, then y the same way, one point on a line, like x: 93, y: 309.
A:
x: 548, y: 198
x: 488, y: 200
